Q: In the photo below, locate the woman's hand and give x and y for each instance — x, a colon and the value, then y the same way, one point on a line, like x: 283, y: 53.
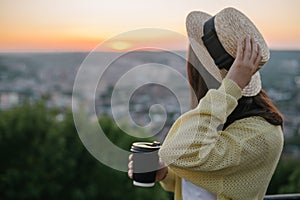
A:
x: 160, y: 174
x: 246, y: 63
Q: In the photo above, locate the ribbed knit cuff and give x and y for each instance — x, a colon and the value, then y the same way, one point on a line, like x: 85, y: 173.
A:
x: 168, y: 183
x: 231, y: 88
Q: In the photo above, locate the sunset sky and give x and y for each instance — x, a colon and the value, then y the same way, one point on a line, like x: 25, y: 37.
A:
x: 75, y: 25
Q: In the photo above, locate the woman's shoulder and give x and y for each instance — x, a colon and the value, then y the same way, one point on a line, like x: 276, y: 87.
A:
x: 256, y: 136
x: 255, y: 125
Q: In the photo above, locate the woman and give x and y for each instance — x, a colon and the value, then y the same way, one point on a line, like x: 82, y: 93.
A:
x: 228, y: 145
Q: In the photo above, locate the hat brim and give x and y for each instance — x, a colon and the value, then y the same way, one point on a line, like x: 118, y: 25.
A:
x: 194, y: 25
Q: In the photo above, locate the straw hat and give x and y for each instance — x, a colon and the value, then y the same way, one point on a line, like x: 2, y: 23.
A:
x: 214, y: 41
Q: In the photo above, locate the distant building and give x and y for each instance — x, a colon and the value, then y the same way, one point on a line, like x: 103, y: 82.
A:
x: 291, y: 151
x: 9, y: 99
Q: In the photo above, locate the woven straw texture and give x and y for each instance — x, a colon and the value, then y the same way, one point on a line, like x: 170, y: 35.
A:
x: 230, y: 25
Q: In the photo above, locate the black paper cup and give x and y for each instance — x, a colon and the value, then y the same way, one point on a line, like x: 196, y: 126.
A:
x: 145, y: 163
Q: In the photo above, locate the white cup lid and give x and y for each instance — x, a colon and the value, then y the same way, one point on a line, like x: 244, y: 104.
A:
x: 143, y: 184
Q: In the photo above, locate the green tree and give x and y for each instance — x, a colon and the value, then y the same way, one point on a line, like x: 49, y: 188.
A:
x: 42, y: 157
x: 283, y: 180
x: 293, y: 185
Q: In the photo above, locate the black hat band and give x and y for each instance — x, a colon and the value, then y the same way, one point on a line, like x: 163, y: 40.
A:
x: 214, y: 47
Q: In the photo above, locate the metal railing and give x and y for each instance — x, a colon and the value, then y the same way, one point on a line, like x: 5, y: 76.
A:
x: 282, y: 197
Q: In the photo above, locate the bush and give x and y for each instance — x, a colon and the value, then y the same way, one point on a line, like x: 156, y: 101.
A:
x: 42, y: 157
x: 286, y: 178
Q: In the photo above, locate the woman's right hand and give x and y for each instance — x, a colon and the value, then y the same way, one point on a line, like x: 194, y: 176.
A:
x: 160, y: 174
x: 246, y: 62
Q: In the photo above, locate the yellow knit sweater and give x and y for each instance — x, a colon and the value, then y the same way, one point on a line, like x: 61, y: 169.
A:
x: 236, y: 163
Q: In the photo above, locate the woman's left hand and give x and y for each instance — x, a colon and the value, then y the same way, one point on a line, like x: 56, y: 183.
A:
x: 161, y: 173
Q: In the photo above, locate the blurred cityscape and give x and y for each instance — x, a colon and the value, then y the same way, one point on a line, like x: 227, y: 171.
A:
x: 33, y: 76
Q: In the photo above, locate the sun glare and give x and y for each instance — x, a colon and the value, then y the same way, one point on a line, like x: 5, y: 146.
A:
x: 120, y: 45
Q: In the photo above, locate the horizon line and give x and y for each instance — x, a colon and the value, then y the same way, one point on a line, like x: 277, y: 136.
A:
x: 112, y: 51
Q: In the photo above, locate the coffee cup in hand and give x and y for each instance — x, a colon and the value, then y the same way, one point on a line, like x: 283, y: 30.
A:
x: 145, y: 163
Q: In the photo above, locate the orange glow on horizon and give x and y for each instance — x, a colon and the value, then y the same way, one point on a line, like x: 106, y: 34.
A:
x: 64, y: 42
x: 79, y: 41
x: 57, y: 43
x: 85, y: 25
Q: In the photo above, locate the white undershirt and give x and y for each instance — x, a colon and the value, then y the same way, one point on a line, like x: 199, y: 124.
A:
x: 191, y: 192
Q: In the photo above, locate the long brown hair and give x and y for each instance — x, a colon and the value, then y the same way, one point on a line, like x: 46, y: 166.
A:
x: 198, y: 85
x: 259, y: 105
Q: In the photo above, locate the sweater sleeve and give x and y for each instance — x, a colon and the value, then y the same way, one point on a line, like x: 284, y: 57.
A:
x: 194, y: 141
x: 168, y: 183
